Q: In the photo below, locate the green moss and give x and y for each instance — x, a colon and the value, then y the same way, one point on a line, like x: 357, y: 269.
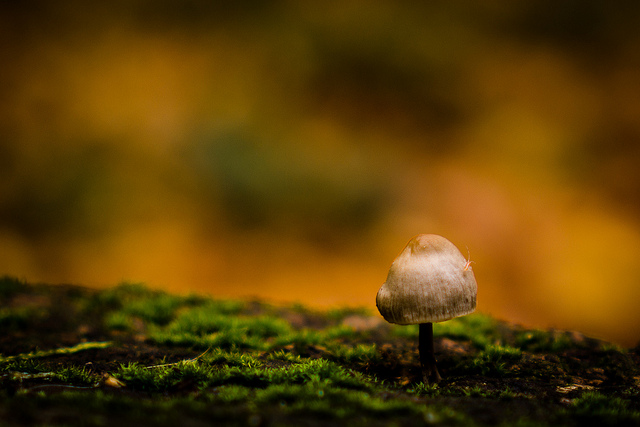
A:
x: 359, y: 355
x: 20, y: 318
x: 339, y: 332
x: 209, y: 372
x: 21, y: 370
x: 256, y: 368
x: 544, y: 341
x: 57, y: 351
x: 98, y: 408
x: 317, y: 400
x: 121, y: 305
x: 476, y: 391
x: 496, y: 360
x: 422, y: 389
x: 28, y: 366
x: 232, y: 394
x: 285, y: 356
x: 158, y: 309
x: 204, y: 320
x: 229, y: 404
x: 480, y: 329
x: 118, y: 321
x: 76, y: 376
x: 405, y: 331
x: 318, y: 371
x: 219, y: 356
x: 507, y: 394
x: 206, y: 326
x: 162, y: 378
x: 121, y: 295
x: 128, y: 301
x: 230, y: 339
x: 456, y: 391
x: 599, y: 409
x: 300, y: 339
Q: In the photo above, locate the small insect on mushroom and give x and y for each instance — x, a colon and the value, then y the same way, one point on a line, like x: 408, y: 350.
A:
x: 467, y: 266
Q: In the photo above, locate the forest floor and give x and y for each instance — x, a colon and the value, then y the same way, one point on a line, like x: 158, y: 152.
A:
x: 130, y: 355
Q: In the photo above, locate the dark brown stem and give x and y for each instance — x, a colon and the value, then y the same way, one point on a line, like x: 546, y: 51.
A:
x: 430, y: 374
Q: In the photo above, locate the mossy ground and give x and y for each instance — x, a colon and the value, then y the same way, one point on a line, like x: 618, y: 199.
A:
x: 133, y: 356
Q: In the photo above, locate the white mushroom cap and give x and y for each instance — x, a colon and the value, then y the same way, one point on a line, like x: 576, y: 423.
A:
x: 430, y: 281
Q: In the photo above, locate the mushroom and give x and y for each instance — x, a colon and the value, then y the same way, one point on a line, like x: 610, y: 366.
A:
x: 430, y: 281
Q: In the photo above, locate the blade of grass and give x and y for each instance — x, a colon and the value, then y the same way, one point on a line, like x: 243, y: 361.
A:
x: 63, y: 350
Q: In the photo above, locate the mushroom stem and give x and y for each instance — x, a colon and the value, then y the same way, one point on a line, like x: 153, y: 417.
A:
x: 430, y: 374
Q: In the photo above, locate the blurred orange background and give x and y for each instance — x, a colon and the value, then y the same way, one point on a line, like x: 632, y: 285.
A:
x: 289, y: 150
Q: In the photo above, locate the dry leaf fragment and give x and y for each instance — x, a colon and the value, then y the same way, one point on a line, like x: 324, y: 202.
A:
x: 111, y: 381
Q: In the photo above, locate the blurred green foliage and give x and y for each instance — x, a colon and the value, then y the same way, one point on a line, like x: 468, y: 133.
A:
x: 408, y: 67
x: 268, y: 185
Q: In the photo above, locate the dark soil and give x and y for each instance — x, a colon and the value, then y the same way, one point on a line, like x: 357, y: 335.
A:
x: 543, y: 387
